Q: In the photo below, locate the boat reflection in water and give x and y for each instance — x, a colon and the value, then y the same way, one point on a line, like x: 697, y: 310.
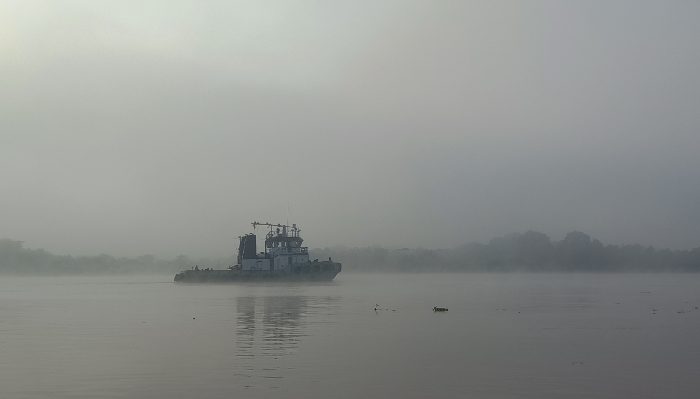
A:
x: 271, y: 328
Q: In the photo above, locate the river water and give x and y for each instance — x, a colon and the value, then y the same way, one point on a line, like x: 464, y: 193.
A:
x: 504, y: 336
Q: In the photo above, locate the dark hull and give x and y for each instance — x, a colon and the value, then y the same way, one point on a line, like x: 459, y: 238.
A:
x: 320, y: 271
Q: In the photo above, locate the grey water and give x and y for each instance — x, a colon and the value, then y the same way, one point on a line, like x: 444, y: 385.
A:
x: 504, y: 336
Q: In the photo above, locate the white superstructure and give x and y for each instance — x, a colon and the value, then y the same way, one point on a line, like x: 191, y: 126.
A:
x: 283, y: 250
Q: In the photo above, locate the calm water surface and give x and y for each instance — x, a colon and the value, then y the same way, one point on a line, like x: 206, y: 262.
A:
x: 505, y: 336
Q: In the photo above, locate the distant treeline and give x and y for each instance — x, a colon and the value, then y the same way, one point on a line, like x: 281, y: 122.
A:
x: 16, y: 259
x: 530, y: 251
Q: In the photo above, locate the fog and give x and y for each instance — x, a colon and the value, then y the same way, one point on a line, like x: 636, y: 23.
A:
x: 167, y: 127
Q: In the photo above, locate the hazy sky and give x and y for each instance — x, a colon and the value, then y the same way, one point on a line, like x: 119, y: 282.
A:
x: 165, y: 127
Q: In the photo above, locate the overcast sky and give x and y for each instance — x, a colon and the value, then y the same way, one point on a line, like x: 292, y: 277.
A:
x: 166, y: 127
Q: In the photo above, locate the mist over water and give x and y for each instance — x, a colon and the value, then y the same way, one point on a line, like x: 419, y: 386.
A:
x: 400, y: 135
x: 505, y: 335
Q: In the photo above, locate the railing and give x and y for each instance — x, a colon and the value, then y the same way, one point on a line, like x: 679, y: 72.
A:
x: 289, y: 250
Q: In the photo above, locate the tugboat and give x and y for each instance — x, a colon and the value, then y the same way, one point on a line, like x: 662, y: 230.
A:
x: 283, y: 259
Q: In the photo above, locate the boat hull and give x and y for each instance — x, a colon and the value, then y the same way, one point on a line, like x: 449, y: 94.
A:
x: 313, y: 271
